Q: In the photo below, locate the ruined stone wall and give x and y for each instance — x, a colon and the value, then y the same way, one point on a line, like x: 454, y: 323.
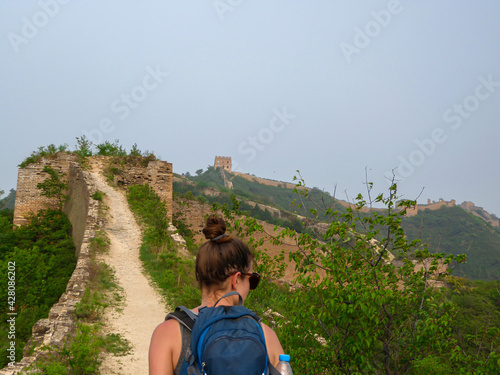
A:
x: 158, y: 174
x: 480, y: 213
x: 431, y: 206
x: 84, y: 215
x: 264, y: 181
x: 28, y: 197
x: 223, y: 162
x: 77, y: 207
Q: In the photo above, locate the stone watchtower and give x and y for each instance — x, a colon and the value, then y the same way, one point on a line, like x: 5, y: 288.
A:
x: 223, y: 162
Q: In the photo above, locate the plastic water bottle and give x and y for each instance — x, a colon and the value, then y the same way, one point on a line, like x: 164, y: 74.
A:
x: 284, y: 365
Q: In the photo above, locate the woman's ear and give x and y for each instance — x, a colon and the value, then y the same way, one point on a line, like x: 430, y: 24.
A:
x: 235, y: 280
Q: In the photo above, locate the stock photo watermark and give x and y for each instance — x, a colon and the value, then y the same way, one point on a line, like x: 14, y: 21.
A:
x: 222, y: 7
x: 454, y: 116
x: 11, y: 308
x: 31, y: 26
x: 123, y: 106
x: 372, y: 29
x: 258, y: 142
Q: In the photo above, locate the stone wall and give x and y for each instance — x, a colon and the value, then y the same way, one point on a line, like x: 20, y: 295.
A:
x: 83, y: 213
x: 223, y: 162
x: 430, y: 206
x: 264, y: 181
x: 481, y: 213
x: 158, y: 174
x: 28, y: 198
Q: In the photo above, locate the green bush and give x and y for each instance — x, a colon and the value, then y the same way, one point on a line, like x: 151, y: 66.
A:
x: 44, y: 257
x: 111, y: 149
x: 42, y: 152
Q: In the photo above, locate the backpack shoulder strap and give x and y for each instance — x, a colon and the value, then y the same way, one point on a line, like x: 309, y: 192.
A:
x: 184, y: 316
x: 272, y: 370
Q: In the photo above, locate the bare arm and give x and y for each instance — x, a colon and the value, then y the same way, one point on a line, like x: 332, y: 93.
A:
x: 273, y: 344
x: 164, y: 349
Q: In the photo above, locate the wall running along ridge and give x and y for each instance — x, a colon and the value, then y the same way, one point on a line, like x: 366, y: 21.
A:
x: 83, y: 213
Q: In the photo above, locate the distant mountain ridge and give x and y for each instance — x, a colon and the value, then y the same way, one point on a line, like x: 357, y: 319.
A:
x: 443, y: 225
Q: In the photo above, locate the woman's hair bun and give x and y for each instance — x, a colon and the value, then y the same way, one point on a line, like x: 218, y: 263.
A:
x: 215, y: 227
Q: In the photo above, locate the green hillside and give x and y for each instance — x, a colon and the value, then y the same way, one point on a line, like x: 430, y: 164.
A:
x: 449, y: 230
x: 454, y: 231
x: 278, y: 197
x: 8, y: 201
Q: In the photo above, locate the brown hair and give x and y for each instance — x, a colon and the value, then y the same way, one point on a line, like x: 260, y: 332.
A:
x: 220, y: 255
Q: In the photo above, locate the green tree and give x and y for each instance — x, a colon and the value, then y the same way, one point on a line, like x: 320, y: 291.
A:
x: 111, y: 149
x: 83, y: 147
x: 134, y: 151
x: 54, y: 186
x: 354, y: 312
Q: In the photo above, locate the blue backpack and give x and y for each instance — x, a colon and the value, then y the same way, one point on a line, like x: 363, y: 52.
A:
x: 224, y: 340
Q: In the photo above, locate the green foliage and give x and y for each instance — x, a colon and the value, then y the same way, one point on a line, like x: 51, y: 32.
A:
x: 83, y: 147
x: 43, y: 152
x: 134, y: 151
x: 172, y: 273
x: 44, y: 257
x: 49, y: 151
x: 111, y: 149
x: 351, y: 310
x: 476, y: 325
x: 185, y: 231
x: 152, y: 211
x: 98, y: 195
x: 97, y: 295
x: 451, y: 230
x: 54, y: 186
x: 82, y: 354
x: 7, y: 203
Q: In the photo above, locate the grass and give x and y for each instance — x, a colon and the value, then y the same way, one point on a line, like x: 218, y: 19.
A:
x: 173, y: 274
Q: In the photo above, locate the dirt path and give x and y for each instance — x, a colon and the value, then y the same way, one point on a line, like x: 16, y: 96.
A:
x: 143, y: 308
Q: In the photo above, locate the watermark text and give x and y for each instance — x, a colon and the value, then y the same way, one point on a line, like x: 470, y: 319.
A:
x: 128, y: 101
x: 31, y: 26
x: 455, y: 115
x: 364, y: 36
x: 11, y: 302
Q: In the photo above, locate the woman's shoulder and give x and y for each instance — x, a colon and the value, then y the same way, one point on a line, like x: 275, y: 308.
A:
x: 164, y: 348
x: 167, y: 326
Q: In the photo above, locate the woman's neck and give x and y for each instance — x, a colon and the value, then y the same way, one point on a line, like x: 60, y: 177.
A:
x: 209, y: 299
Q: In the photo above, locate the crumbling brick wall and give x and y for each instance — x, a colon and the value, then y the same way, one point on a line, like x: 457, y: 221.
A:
x: 28, y: 197
x: 157, y: 174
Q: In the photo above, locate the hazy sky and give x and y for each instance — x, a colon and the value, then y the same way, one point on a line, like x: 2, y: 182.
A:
x: 326, y: 87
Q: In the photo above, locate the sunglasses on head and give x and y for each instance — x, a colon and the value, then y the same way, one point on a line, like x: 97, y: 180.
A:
x: 254, y: 278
